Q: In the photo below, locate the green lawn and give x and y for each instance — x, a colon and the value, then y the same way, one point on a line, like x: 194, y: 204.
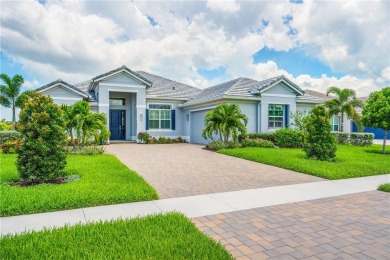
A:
x: 169, y: 236
x: 104, y: 180
x: 384, y: 187
x: 351, y: 161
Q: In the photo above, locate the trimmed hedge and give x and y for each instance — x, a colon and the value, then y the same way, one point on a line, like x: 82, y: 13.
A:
x: 11, y: 146
x: 257, y: 143
x: 357, y: 139
x: 264, y: 136
x: 289, y: 138
x: 7, y: 136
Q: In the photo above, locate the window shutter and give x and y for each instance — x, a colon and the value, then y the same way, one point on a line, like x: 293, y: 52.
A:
x: 286, y: 116
x: 147, y: 119
x: 173, y: 120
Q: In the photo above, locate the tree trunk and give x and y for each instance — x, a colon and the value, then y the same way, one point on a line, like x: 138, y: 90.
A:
x: 384, y: 143
x: 342, y: 122
x: 13, y: 116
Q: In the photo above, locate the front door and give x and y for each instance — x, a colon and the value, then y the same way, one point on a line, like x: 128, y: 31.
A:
x: 118, y: 124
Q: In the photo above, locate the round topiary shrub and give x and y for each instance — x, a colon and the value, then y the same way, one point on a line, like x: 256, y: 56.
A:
x: 320, y: 143
x: 42, y: 156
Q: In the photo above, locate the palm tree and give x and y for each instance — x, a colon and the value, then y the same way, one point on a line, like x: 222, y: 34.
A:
x: 71, y: 117
x: 226, y: 120
x: 344, y: 103
x: 10, y: 93
x: 90, y: 124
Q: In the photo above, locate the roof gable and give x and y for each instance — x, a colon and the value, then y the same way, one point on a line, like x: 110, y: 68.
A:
x: 286, y: 82
x: 120, y: 70
x: 62, y: 84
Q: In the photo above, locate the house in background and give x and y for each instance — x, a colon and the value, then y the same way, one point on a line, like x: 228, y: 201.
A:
x: 139, y: 101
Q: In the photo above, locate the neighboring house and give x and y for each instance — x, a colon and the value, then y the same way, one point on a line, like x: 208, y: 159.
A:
x: 139, y: 101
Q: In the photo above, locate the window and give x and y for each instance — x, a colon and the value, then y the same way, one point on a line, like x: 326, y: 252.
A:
x: 275, y: 116
x: 159, y: 116
x: 335, y: 122
x: 117, y: 101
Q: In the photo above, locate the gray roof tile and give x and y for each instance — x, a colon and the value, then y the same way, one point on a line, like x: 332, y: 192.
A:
x: 60, y: 81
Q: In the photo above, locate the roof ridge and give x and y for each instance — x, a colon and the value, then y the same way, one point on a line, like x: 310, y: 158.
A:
x: 138, y: 71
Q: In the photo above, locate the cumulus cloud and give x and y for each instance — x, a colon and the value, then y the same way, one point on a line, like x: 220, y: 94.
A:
x: 76, y: 40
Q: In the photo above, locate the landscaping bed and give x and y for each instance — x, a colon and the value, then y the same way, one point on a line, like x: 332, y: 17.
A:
x: 350, y: 162
x: 155, y: 237
x: 103, y: 180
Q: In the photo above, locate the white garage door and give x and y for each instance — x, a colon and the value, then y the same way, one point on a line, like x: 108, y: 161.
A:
x: 197, y: 125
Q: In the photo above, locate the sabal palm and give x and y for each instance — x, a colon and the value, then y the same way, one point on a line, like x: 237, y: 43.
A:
x: 226, y: 120
x: 10, y: 93
x: 345, y: 103
x: 71, y: 117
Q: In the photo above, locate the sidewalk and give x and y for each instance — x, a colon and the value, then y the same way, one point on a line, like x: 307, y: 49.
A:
x: 196, y: 206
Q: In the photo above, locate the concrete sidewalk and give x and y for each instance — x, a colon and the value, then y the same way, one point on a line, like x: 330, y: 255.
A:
x: 196, y: 206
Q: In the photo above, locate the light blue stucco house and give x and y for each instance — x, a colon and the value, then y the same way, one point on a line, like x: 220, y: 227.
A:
x: 139, y: 101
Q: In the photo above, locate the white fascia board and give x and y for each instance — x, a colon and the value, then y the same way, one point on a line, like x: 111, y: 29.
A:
x: 64, y: 86
x: 165, y: 98
x: 120, y: 71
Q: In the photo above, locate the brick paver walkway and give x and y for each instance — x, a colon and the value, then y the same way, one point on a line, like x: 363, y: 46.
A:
x: 177, y: 170
x: 355, y: 226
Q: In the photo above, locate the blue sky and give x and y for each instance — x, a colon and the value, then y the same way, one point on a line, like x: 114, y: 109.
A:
x: 200, y: 43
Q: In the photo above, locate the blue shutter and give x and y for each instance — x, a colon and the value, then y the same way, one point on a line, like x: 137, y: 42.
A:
x: 147, y: 119
x: 286, y: 116
x: 173, y: 120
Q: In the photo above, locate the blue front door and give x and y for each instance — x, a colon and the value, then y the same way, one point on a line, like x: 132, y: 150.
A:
x: 118, y: 124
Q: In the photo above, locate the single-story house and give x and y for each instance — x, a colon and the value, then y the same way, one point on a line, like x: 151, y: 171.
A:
x: 139, y: 101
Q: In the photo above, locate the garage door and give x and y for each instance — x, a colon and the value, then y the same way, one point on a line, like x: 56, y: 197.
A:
x: 197, y: 125
x: 378, y: 132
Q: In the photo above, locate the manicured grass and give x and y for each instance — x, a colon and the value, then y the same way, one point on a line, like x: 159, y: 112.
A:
x: 384, y: 187
x: 170, y: 236
x: 351, y: 161
x: 103, y: 180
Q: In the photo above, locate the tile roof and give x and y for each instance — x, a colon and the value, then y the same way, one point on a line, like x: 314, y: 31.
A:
x: 162, y: 87
x: 242, y: 87
x: 317, y: 94
x: 60, y: 81
x: 119, y: 69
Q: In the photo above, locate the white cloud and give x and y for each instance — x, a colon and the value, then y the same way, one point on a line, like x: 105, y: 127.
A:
x: 31, y: 84
x: 224, y: 6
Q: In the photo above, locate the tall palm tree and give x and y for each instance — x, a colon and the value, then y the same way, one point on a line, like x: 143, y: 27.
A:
x: 344, y: 103
x: 226, y: 120
x: 10, y: 93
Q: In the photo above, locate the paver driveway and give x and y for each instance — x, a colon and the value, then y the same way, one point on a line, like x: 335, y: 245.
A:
x: 177, y: 170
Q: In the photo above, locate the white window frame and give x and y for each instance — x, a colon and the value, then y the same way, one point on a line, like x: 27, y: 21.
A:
x: 117, y: 98
x: 159, y: 116
x: 332, y: 122
x: 275, y: 121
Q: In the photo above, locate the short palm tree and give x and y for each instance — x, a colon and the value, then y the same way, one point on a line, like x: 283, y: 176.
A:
x: 71, y: 116
x: 344, y: 103
x: 226, y: 120
x: 10, y: 93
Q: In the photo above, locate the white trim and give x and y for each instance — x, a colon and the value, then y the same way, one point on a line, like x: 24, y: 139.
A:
x: 160, y: 130
x: 140, y: 106
x: 170, y: 119
x: 103, y: 105
x: 201, y: 109
x: 166, y: 98
x: 120, y: 85
x: 65, y: 98
x: 65, y: 86
x: 122, y: 90
x: 120, y: 71
x: 276, y: 83
x: 241, y: 97
x: 278, y: 95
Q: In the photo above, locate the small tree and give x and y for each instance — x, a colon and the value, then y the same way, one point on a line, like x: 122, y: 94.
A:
x: 319, y: 142
x: 42, y: 156
x: 376, y: 112
x: 298, y: 119
x: 226, y: 120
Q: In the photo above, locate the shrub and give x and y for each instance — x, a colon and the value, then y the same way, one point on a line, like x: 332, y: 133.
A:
x: 6, y: 136
x: 42, y: 156
x: 87, y: 150
x: 289, y: 138
x: 319, y: 143
x: 257, y: 143
x: 264, y: 136
x: 4, y: 126
x: 143, y: 137
x: 361, y: 139
x: 341, y: 138
x: 11, y: 146
x: 216, y: 145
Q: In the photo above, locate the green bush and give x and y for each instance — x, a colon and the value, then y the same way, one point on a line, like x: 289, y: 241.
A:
x: 257, y: 143
x: 264, y: 136
x: 319, y: 143
x: 143, y: 137
x: 5, y: 126
x: 289, y: 138
x: 42, y: 156
x: 217, y: 145
x: 11, y: 146
x: 87, y: 150
x: 6, y: 136
x: 361, y: 139
x: 341, y: 138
